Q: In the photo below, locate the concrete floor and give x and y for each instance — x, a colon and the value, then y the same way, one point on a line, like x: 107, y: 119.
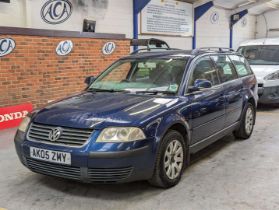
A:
x: 227, y: 175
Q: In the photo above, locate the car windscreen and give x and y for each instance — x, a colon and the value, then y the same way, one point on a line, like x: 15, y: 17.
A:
x: 134, y: 75
x: 261, y: 55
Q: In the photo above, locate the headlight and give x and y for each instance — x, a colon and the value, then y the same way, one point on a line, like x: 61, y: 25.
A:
x: 121, y: 134
x: 24, y: 124
x: 272, y: 76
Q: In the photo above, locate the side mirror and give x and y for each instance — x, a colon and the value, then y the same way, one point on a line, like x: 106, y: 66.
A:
x: 89, y: 80
x: 200, y: 84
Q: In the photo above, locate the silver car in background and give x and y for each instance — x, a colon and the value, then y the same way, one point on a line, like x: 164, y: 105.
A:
x: 263, y: 57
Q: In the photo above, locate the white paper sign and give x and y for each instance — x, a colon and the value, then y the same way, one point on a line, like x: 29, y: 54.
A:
x: 168, y: 17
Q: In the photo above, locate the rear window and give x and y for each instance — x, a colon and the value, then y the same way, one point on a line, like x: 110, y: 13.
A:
x: 242, y: 67
x: 225, y: 67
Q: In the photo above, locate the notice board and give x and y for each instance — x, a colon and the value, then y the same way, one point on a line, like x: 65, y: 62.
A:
x: 167, y: 17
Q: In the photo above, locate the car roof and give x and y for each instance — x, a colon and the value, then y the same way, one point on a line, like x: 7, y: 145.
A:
x: 160, y: 54
x: 263, y: 41
x: 167, y: 54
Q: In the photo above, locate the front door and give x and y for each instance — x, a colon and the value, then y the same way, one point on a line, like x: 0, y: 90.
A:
x: 207, y: 104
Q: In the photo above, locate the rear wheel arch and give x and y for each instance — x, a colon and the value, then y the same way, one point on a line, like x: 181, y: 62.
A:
x: 252, y: 101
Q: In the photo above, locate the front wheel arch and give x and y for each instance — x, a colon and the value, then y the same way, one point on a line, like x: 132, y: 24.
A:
x: 178, y: 125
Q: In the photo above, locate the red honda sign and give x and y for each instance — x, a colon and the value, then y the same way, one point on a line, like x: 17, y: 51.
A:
x: 11, y: 116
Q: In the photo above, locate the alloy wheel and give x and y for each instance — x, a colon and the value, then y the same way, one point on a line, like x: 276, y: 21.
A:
x: 173, y: 159
x: 249, y: 121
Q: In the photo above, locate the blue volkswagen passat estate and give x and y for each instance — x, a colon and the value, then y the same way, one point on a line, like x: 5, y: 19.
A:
x: 142, y: 118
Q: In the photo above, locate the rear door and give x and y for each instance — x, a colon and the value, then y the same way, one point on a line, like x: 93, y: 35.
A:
x: 233, y: 88
x: 208, y: 104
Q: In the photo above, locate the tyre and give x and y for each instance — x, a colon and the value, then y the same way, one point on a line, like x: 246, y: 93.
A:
x: 170, y: 161
x: 247, y: 122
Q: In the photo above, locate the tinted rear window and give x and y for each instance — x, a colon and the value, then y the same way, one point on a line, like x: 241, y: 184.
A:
x: 225, y: 67
x: 242, y: 67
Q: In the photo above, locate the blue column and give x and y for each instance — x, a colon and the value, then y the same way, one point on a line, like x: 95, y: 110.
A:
x: 138, y: 5
x: 234, y: 19
x: 198, y: 13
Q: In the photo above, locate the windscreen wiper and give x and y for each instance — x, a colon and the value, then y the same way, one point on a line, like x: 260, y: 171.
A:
x: 105, y: 90
x: 156, y: 92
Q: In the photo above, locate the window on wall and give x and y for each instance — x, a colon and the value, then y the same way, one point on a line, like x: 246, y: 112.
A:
x: 241, y: 65
x: 225, y: 67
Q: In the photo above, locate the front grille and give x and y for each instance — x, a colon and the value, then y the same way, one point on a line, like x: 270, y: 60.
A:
x: 109, y: 175
x: 260, y: 85
x: 63, y: 171
x: 96, y: 175
x: 69, y: 136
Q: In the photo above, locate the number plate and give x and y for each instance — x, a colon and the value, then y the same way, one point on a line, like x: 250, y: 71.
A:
x: 50, y: 156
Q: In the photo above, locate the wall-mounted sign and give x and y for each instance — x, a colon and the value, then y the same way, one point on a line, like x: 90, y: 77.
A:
x: 244, y: 21
x: 64, y: 47
x: 7, y: 45
x: 12, y: 116
x: 56, y: 11
x: 168, y: 17
x: 109, y: 48
x: 214, y: 18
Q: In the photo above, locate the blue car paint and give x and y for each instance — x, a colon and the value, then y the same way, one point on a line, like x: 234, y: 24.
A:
x: 201, y: 115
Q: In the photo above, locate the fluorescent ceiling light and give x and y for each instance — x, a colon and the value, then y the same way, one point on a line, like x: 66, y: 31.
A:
x: 246, y: 3
x: 272, y: 5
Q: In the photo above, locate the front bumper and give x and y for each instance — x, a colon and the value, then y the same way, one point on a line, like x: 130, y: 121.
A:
x: 136, y: 162
x: 268, y: 95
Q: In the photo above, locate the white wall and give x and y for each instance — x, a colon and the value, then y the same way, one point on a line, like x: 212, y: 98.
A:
x: 242, y: 32
x: 13, y: 14
x: 218, y: 34
x: 214, y: 34
x: 116, y: 16
x: 112, y: 16
x: 266, y: 21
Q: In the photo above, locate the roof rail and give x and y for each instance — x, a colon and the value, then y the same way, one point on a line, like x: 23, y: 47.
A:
x: 212, y: 49
x: 152, y: 49
x: 151, y: 44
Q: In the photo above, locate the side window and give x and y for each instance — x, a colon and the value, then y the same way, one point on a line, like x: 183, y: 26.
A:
x: 225, y: 67
x: 241, y: 65
x: 204, y: 69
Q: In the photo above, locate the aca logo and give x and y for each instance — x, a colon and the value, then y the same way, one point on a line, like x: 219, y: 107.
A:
x: 214, y: 18
x: 6, y: 46
x: 56, y: 11
x: 64, y: 47
x: 109, y: 48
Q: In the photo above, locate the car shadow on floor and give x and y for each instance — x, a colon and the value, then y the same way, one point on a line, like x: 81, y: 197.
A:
x: 268, y: 107
x: 123, y: 191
